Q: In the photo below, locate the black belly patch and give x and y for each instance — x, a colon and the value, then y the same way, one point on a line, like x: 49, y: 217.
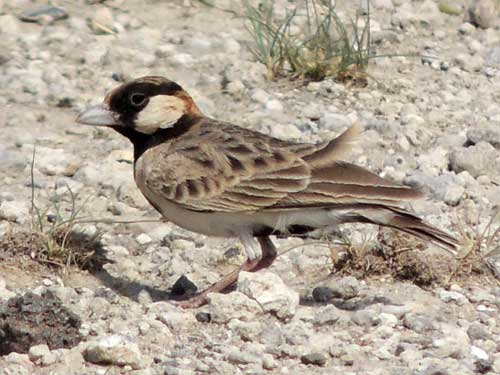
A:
x: 296, y: 230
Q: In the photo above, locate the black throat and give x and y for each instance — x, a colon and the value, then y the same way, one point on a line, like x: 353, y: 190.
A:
x: 143, y: 141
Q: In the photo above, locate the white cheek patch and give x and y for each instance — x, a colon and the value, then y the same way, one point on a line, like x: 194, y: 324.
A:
x: 162, y: 112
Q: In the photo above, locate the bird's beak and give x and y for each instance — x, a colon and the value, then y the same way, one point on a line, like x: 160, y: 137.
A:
x: 97, y: 115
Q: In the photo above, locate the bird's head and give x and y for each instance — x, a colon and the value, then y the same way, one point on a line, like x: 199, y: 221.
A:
x: 144, y: 105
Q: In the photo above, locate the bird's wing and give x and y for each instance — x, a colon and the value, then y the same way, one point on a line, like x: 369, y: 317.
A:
x: 223, y: 168
x: 346, y: 183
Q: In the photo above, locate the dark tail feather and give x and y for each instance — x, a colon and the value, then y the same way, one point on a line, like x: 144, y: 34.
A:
x: 418, y: 228
x: 399, y: 219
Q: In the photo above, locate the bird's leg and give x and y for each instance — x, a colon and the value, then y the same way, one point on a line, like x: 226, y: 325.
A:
x: 254, y: 254
x: 269, y: 253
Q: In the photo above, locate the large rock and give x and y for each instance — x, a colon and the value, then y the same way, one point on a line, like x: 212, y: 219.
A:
x: 482, y: 13
x: 345, y: 288
x: 454, y: 342
x: 54, y: 161
x: 490, y: 134
x: 170, y: 315
x: 114, y: 350
x: 270, y: 292
x: 4, y: 292
x: 16, y: 211
x: 226, y: 307
x: 9, y: 24
x: 426, y: 12
x: 480, y: 159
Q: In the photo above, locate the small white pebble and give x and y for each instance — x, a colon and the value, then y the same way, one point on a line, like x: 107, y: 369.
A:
x: 143, y: 239
x: 118, y: 250
x: 479, y: 353
x: 38, y: 351
x: 484, y: 308
x: 456, y: 297
x: 274, y: 105
x: 268, y: 361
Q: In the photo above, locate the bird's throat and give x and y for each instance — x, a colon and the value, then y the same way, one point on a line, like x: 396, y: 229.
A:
x: 143, y: 141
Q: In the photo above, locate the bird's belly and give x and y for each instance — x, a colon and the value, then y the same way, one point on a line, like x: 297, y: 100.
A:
x: 209, y: 223
x: 232, y: 224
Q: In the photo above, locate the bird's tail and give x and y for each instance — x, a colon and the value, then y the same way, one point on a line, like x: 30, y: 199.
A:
x: 399, y: 219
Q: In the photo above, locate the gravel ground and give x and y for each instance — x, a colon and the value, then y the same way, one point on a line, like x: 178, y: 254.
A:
x: 431, y: 121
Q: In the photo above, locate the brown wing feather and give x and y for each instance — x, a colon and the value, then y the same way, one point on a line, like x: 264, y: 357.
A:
x: 224, y: 168
x: 218, y: 168
x: 329, y: 152
x: 343, y: 183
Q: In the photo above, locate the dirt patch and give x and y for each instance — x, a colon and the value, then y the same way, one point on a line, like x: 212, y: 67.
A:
x: 32, y: 320
x: 58, y: 249
x: 405, y: 258
x: 396, y: 255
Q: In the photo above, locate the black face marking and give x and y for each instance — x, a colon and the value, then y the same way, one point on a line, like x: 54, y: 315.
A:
x: 142, y: 141
x: 131, y: 98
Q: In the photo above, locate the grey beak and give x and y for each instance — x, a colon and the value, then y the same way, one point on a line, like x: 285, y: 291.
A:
x: 97, y: 116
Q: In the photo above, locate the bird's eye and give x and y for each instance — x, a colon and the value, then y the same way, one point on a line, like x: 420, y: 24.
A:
x: 137, y: 99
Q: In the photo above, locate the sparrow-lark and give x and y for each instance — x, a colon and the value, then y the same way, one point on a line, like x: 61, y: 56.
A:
x: 219, y: 179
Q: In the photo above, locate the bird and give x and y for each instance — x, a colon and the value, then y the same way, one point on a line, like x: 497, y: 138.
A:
x: 219, y: 179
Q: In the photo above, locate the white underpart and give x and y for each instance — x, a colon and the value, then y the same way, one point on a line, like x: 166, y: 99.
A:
x: 161, y: 112
x: 282, y: 223
x: 251, y: 245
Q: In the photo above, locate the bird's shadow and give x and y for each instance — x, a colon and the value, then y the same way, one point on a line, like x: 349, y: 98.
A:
x: 133, y: 289
x: 351, y: 304
x: 95, y: 263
